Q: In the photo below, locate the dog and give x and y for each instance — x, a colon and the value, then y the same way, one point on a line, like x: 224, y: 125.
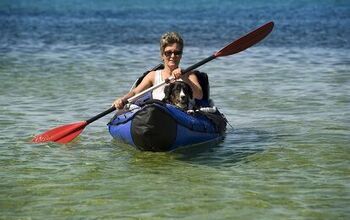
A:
x: 179, y: 94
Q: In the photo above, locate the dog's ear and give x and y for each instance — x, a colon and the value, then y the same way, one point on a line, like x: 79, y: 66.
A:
x: 167, y: 91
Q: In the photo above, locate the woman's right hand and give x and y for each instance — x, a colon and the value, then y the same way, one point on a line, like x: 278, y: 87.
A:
x: 118, y: 103
x: 176, y: 73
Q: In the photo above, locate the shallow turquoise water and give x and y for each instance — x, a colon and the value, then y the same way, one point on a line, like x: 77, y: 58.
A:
x: 286, y: 157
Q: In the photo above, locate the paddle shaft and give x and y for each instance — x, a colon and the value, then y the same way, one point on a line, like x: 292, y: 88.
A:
x: 200, y: 63
x: 66, y: 133
x: 111, y: 109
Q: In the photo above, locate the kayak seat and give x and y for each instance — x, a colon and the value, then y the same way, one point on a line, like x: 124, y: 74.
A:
x: 204, y: 82
x: 138, y: 81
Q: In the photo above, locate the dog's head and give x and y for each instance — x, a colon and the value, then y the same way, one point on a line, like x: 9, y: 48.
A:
x: 179, y: 94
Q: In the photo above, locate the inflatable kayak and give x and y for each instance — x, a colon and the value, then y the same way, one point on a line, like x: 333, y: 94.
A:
x: 152, y: 125
x: 157, y: 126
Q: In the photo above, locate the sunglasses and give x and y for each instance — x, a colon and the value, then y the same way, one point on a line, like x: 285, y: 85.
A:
x: 176, y: 53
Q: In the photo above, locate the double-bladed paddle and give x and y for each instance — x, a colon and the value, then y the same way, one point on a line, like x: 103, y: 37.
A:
x: 66, y: 133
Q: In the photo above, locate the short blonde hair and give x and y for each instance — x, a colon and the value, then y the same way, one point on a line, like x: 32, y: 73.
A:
x: 170, y: 38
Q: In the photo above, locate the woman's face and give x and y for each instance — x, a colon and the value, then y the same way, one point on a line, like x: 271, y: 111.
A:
x: 172, y: 55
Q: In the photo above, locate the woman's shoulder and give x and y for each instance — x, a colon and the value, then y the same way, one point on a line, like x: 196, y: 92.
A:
x: 193, y: 74
x: 151, y: 76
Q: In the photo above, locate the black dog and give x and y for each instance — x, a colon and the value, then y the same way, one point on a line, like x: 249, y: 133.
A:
x: 179, y: 94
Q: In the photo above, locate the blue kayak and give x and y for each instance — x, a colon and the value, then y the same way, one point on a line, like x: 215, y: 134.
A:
x: 157, y: 126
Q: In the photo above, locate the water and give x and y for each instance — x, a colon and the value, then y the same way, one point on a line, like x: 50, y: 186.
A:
x: 286, y: 98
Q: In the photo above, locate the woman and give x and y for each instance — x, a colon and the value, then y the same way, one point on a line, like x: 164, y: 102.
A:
x: 171, y: 47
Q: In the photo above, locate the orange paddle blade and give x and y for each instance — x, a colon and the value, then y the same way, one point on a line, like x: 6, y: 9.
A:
x: 246, y: 41
x: 62, y: 134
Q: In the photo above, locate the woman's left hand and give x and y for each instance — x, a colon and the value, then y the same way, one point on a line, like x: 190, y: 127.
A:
x: 177, y: 73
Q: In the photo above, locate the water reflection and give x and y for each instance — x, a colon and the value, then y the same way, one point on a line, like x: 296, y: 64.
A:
x: 237, y: 145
